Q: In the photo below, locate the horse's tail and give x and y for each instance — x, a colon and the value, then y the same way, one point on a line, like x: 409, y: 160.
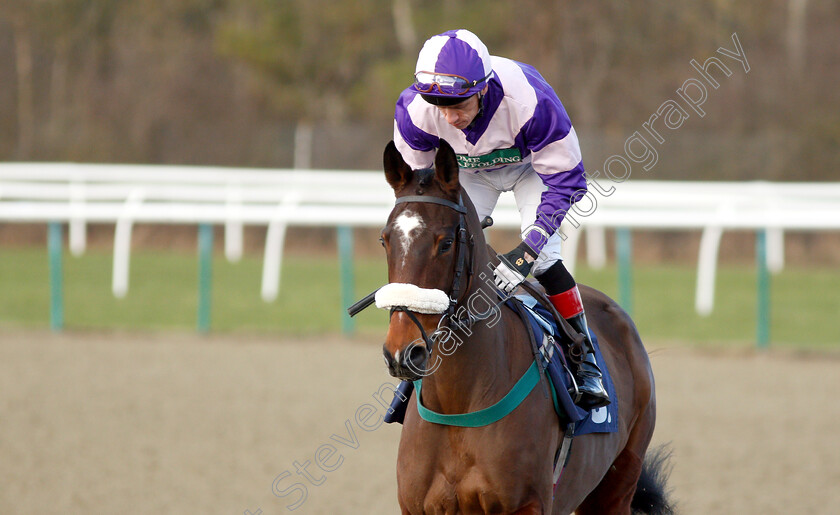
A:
x: 651, y: 495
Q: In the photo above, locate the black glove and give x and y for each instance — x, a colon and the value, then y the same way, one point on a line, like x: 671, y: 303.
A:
x: 513, y: 267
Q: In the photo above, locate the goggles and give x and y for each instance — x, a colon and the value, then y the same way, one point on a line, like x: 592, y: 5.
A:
x: 447, y: 83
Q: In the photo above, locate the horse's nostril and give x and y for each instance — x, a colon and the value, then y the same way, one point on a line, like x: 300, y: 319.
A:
x: 416, y: 357
x: 389, y: 359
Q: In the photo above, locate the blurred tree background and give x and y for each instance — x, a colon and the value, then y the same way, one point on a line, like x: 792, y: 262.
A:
x: 230, y: 82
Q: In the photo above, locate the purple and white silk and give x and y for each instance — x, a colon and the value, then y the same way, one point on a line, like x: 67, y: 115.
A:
x: 523, y: 122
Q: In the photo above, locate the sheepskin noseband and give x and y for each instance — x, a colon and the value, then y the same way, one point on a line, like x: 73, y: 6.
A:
x: 412, y: 297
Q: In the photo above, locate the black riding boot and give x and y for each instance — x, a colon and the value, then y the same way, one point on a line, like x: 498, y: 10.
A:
x: 564, y: 295
x: 396, y: 413
x: 588, y: 376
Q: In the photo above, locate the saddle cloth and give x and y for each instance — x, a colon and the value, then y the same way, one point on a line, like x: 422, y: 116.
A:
x: 547, y: 336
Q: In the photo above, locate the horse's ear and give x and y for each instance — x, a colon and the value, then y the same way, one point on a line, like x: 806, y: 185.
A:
x: 397, y: 172
x: 446, y: 168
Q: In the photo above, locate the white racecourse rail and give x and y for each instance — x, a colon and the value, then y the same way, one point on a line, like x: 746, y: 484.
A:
x: 129, y: 194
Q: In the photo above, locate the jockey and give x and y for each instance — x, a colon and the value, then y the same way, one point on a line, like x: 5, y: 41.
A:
x: 510, y: 133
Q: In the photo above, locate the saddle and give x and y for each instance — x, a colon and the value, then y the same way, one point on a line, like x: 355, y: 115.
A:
x: 553, y: 343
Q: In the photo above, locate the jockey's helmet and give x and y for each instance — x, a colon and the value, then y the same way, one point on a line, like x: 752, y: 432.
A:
x: 452, y: 67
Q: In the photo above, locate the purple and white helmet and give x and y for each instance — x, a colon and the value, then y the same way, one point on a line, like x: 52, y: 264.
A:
x: 452, y: 67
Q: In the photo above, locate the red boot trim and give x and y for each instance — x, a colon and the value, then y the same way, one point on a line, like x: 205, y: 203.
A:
x: 568, y: 303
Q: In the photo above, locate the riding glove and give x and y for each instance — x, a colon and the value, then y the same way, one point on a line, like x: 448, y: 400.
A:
x: 513, y: 267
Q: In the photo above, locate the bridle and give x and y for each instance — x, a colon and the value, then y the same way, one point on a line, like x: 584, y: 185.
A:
x: 458, y: 278
x: 462, y: 243
x: 462, y: 274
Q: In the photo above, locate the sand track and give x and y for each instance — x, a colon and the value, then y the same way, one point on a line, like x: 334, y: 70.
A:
x: 115, y: 423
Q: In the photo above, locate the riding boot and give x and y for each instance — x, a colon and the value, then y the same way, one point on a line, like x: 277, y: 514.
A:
x: 396, y: 413
x: 588, y: 374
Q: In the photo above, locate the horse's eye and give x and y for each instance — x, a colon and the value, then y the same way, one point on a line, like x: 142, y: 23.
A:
x: 382, y: 241
x: 445, y: 245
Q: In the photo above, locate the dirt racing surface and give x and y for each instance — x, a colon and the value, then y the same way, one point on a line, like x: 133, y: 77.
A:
x: 114, y: 423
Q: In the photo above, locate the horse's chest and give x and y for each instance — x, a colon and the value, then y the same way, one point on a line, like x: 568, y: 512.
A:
x: 472, y: 492
x: 451, y: 470
x: 461, y: 488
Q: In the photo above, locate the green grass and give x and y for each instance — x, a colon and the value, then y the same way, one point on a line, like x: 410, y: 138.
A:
x: 163, y: 293
x: 805, y: 305
x: 163, y: 296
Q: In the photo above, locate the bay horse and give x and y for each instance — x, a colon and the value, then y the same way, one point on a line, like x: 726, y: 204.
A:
x: 437, y: 253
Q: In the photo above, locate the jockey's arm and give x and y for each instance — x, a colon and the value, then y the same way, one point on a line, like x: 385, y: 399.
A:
x: 556, y: 158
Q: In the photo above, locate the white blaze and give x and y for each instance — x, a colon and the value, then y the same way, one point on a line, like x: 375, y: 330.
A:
x: 407, y: 223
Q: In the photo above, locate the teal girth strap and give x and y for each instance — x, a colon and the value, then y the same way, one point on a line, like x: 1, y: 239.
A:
x: 494, y: 413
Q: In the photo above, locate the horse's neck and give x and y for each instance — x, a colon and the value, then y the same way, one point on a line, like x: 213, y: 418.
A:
x: 476, y: 365
x: 488, y: 354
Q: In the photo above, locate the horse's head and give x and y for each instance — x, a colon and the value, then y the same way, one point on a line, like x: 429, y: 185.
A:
x: 427, y: 241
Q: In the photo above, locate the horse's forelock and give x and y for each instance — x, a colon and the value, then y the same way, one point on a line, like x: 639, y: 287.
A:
x: 424, y: 177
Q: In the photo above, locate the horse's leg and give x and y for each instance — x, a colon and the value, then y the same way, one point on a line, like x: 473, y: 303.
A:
x: 615, y: 492
x: 530, y: 509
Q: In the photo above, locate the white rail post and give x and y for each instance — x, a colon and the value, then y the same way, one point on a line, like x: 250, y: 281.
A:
x: 774, y: 237
x: 78, y: 225
x: 122, y: 242
x: 706, y: 269
x: 596, y: 246
x: 233, y: 224
x: 274, y: 238
x: 775, y: 250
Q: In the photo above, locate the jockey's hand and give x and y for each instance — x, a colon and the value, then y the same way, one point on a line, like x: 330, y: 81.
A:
x: 513, y: 267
